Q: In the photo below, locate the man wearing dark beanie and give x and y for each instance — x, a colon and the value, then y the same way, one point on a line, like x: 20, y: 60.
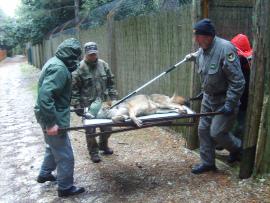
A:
x: 205, y: 27
x: 222, y: 86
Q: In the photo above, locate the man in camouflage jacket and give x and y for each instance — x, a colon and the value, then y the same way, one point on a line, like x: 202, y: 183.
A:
x: 222, y: 85
x: 91, y: 82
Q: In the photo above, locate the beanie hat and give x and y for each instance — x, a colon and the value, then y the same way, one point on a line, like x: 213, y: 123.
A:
x: 204, y: 27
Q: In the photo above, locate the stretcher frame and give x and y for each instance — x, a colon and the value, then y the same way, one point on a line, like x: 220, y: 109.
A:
x: 168, y: 119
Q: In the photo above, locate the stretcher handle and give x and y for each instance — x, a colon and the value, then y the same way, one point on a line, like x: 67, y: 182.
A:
x: 149, y: 82
x: 208, y: 114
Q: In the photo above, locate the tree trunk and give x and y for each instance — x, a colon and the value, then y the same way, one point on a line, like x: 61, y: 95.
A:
x: 256, y: 88
x: 262, y: 162
x: 262, y: 146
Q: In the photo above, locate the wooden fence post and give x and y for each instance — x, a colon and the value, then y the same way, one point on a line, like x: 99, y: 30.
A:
x: 111, y: 43
x: 192, y: 138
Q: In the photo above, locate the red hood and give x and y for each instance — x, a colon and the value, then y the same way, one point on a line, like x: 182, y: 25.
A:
x: 242, y: 44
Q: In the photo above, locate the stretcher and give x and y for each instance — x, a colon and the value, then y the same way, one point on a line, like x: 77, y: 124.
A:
x: 168, y: 119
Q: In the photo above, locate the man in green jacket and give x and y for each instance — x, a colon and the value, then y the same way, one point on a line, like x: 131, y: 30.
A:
x: 52, y: 112
x: 93, y: 83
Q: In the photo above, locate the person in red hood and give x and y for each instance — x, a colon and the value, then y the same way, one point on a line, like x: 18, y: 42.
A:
x: 241, y: 42
x: 244, y: 50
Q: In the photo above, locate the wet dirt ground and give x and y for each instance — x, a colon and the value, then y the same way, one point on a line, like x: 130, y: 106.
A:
x: 148, y: 165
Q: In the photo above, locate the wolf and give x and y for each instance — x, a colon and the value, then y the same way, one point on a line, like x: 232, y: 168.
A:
x: 142, y: 105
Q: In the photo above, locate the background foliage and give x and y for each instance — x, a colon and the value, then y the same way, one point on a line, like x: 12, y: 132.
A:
x: 34, y: 19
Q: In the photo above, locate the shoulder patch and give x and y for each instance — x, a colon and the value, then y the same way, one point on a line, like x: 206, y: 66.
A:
x: 231, y: 57
x: 213, y: 66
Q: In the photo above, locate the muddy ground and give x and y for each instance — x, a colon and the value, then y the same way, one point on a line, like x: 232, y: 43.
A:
x: 149, y: 165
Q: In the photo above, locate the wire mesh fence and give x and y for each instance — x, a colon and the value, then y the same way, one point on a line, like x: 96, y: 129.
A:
x: 121, y: 9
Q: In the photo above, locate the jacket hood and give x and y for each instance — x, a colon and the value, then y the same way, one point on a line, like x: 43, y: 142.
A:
x: 69, y: 51
x: 242, y: 44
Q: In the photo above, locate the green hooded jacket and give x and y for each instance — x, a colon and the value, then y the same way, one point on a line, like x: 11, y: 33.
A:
x: 54, y: 85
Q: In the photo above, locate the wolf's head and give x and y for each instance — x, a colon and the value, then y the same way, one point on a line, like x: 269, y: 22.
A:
x: 105, y: 111
x: 178, y: 99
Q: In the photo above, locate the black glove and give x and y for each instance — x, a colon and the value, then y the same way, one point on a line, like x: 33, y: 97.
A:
x: 187, y: 102
x: 197, y: 97
x: 191, y: 56
x: 78, y: 110
x: 228, y: 111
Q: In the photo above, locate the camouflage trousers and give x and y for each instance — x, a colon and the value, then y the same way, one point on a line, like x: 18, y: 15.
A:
x: 92, y: 145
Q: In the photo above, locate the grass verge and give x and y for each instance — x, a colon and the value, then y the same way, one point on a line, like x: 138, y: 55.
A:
x: 30, y: 72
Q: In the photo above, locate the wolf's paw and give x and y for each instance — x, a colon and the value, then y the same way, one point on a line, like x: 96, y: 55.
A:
x: 138, y: 122
x: 118, y: 119
x: 182, y: 111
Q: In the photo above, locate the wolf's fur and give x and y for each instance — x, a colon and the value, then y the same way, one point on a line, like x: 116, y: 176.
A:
x: 141, y: 105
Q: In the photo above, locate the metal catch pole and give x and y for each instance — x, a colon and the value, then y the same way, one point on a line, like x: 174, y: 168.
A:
x: 149, y: 82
